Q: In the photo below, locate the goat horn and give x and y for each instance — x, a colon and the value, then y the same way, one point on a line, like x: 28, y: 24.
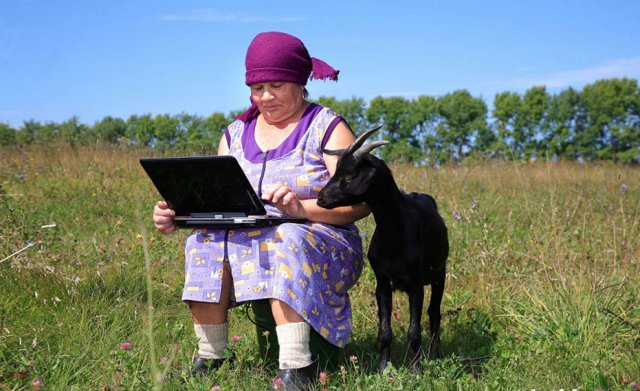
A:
x: 362, y: 138
x: 369, y: 147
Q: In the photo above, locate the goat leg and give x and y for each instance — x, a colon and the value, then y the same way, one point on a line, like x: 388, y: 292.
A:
x: 437, y: 289
x: 385, y: 334
x: 416, y: 300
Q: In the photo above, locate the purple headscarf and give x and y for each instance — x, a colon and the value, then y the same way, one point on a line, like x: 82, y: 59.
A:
x: 275, y: 56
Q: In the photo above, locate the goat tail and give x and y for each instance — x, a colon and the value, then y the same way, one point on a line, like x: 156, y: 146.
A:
x: 435, y: 205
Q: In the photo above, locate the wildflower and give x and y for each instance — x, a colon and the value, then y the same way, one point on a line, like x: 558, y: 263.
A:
x: 138, y: 236
x: 266, y: 333
x: 236, y: 338
x: 163, y: 360
x: 474, y: 204
x: 391, y: 378
x: 323, y: 377
x: 277, y: 384
x: 152, y: 239
x: 126, y: 345
x: 353, y: 359
x: 30, y: 244
x: 216, y: 388
x: 21, y: 176
x: 624, y: 186
x: 119, y: 222
x: 634, y: 386
x: 457, y: 217
x: 36, y: 384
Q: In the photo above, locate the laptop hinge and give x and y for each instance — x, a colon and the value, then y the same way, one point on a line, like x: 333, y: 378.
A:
x: 221, y: 215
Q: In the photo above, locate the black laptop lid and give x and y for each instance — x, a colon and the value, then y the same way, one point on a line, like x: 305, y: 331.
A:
x: 203, y: 184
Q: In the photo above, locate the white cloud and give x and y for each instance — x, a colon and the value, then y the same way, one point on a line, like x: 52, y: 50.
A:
x: 627, y: 67
x: 212, y: 15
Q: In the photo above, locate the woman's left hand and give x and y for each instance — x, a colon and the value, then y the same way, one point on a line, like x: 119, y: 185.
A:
x: 285, y: 199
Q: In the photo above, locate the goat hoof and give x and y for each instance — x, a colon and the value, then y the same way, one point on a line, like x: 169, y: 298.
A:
x: 416, y: 365
x: 382, y: 366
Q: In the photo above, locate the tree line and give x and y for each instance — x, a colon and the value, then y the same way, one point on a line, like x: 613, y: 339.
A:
x: 599, y: 122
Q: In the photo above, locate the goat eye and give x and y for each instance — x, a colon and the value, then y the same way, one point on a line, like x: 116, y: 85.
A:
x: 348, y: 178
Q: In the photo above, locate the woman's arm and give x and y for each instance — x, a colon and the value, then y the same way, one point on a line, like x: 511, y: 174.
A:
x: 285, y: 199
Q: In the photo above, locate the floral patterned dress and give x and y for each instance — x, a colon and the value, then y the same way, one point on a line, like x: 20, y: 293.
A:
x: 308, y: 266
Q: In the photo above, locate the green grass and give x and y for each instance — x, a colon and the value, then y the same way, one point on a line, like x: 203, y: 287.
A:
x: 541, y: 291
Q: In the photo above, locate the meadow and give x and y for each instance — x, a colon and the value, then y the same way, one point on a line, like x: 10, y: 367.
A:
x: 541, y: 292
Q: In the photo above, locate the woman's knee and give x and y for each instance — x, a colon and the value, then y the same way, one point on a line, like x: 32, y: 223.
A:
x: 208, y: 313
x: 283, y: 313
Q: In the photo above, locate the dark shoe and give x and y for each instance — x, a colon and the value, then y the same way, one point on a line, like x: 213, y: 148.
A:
x: 203, y: 366
x: 299, y: 378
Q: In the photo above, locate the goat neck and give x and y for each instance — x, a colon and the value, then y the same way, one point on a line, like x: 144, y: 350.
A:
x: 385, y: 199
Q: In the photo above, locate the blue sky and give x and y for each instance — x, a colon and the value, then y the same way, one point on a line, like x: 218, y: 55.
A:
x: 97, y: 58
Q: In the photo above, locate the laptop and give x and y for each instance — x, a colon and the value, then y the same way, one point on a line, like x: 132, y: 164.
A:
x: 209, y: 192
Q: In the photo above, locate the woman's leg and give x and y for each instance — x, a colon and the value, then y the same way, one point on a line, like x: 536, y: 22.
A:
x: 293, y: 336
x: 210, y: 321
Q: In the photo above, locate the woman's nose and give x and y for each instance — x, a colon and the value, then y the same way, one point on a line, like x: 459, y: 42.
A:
x: 266, y: 95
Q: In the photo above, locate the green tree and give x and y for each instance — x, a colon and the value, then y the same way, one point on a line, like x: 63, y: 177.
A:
x: 530, y: 121
x: 398, y: 125
x: 167, y: 131
x: 7, y: 134
x: 216, y: 123
x: 460, y: 116
x: 353, y: 111
x: 563, y: 122
x: 141, y: 130
x: 611, y: 131
x: 29, y: 133
x: 506, y: 107
x: 73, y: 132
x: 109, y: 129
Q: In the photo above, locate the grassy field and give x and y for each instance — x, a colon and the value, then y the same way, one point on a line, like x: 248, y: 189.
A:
x: 542, y: 285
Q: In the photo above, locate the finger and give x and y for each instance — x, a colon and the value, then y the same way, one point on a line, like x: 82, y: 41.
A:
x: 171, y: 229
x: 279, y: 193
x: 157, y: 211
x: 162, y: 205
x: 270, y: 190
x: 288, y: 198
x: 158, y: 219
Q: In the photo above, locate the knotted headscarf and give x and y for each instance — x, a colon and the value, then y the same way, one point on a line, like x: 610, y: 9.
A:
x: 274, y: 57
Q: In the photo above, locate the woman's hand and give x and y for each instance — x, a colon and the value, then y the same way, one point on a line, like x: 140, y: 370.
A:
x: 285, y: 199
x: 163, y: 217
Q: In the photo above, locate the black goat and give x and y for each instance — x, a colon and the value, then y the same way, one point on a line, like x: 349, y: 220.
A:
x: 409, y: 247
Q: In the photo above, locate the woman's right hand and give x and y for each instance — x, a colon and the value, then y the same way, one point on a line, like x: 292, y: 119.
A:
x: 163, y: 217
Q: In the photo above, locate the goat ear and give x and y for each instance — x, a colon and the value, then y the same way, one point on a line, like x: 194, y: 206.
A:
x: 333, y: 152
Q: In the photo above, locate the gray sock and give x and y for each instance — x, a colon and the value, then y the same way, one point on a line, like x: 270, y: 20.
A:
x: 212, y: 339
x: 293, y: 339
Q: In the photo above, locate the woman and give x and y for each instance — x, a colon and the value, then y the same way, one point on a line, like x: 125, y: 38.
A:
x: 304, y: 270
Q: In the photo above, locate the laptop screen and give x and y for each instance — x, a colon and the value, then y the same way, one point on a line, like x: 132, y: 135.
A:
x: 203, y: 184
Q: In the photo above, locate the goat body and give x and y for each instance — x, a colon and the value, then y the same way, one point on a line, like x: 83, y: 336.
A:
x: 409, y: 247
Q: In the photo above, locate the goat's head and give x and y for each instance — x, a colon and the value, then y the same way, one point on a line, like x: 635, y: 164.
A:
x: 355, y: 172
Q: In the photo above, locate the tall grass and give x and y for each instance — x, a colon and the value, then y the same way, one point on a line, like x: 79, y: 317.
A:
x: 541, y: 290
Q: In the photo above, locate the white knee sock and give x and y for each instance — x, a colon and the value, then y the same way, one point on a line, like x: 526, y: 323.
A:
x: 212, y: 339
x: 293, y: 339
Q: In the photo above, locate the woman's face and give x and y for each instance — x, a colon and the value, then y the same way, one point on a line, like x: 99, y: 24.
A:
x: 277, y: 101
